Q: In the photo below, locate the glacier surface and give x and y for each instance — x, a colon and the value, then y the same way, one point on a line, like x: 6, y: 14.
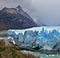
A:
x: 38, y: 36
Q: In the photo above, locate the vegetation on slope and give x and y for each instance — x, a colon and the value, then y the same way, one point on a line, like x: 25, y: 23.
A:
x: 12, y: 52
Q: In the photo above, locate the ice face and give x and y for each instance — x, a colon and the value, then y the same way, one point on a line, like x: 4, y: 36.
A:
x: 38, y: 36
x: 20, y: 37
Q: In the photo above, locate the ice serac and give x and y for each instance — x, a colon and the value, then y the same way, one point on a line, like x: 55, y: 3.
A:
x: 39, y: 37
x: 15, y: 18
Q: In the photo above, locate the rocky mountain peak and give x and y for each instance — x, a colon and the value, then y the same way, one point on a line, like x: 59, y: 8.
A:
x: 15, y: 18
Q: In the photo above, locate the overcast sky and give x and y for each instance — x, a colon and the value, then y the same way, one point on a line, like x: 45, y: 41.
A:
x: 42, y: 11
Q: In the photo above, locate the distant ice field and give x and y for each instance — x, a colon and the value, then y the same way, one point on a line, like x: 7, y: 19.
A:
x: 48, y: 28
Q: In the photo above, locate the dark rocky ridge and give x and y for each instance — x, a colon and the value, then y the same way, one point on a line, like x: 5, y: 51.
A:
x: 15, y: 18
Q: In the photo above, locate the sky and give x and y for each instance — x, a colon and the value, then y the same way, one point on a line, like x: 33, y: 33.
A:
x: 42, y: 11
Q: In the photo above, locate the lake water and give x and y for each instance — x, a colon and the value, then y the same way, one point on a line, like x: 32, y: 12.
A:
x: 50, y: 56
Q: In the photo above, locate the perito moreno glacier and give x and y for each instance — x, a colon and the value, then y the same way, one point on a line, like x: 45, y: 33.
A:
x: 47, y: 38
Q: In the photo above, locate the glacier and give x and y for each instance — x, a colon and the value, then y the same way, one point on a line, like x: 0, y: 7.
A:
x: 37, y: 36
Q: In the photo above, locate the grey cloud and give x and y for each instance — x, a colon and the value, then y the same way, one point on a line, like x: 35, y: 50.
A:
x: 47, y: 11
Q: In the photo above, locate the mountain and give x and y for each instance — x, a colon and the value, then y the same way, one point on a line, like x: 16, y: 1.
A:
x: 15, y: 18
